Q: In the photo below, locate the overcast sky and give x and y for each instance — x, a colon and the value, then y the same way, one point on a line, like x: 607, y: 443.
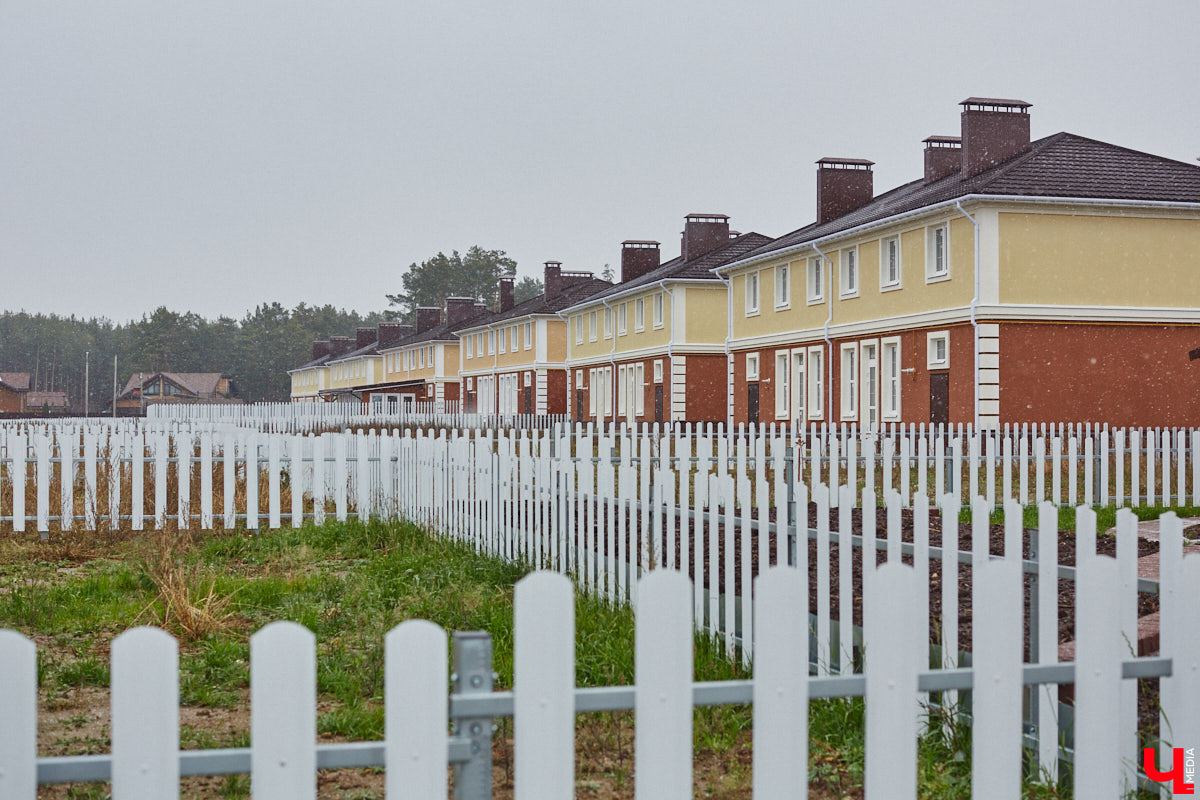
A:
x: 209, y: 156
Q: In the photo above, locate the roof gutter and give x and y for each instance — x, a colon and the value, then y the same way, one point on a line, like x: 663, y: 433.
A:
x: 974, y: 303
x: 1165, y: 205
x: 828, y: 319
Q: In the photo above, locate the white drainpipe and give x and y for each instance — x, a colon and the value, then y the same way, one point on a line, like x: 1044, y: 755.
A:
x: 728, y: 354
x: 669, y: 378
x: 612, y: 360
x: 974, y: 303
x: 829, y: 302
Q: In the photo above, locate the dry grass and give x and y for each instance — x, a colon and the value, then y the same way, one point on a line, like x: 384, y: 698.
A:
x: 187, y: 603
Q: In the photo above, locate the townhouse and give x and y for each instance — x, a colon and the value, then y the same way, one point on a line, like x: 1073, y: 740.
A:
x: 515, y: 361
x: 422, y: 365
x: 652, y: 347
x: 352, y: 369
x: 1015, y: 281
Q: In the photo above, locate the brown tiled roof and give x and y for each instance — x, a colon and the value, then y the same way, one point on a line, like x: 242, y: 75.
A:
x: 569, y: 296
x: 1062, y: 165
x: 445, y: 331
x: 201, y: 384
x: 17, y: 381
x: 36, y: 400
x: 698, y: 269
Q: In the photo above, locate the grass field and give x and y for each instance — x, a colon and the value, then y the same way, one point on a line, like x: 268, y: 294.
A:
x: 351, y: 583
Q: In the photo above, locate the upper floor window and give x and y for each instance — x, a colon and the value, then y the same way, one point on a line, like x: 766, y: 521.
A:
x: 783, y: 286
x: 503, y: 340
x: 608, y: 315
x: 937, y: 252
x: 751, y: 293
x: 592, y: 327
x: 621, y: 316
x: 816, y: 280
x: 579, y: 329
x: 512, y: 339
x: 658, y: 310
x: 470, y: 347
x: 639, y: 314
x: 491, y: 342
x: 889, y: 262
x: 528, y: 335
x: 849, y: 277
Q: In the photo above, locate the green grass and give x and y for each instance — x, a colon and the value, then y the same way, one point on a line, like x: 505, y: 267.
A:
x: 1106, y: 516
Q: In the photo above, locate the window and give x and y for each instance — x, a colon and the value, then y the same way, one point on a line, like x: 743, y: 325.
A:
x: 891, y: 378
x: 592, y: 394
x: 816, y: 383
x: 937, y: 252
x: 782, y: 392
x: 938, y: 350
x: 816, y: 284
x: 579, y: 329
x: 528, y: 378
x: 889, y: 263
x: 639, y: 314
x: 751, y: 366
x: 579, y: 378
x: 470, y: 347
x: 621, y: 385
x: 849, y: 276
x: 503, y: 340
x: 783, y: 286
x: 608, y: 315
x: 607, y: 382
x: 799, y: 387
x: 592, y: 327
x: 512, y: 338
x: 491, y: 342
x: 849, y: 378
x: 621, y: 315
x: 658, y: 310
x: 639, y: 388
x: 528, y: 335
x: 869, y: 368
x: 751, y: 293
x: 421, y: 358
x: 658, y: 370
x: 470, y: 384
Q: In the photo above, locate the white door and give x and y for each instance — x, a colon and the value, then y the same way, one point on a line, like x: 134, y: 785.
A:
x: 869, y: 404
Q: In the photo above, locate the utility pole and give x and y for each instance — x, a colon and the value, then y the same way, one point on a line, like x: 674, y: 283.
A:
x: 86, y: 365
x: 114, y: 394
x: 141, y: 394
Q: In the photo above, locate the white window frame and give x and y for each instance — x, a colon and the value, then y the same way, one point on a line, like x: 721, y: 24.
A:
x: 931, y: 343
x: 591, y: 395
x: 470, y: 384
x: 608, y: 326
x: 512, y: 338
x: 591, y: 326
x: 849, y: 277
x: 621, y: 394
x: 639, y: 315
x: 783, y: 386
x: 890, y: 372
x: 751, y: 287
x: 639, y: 388
x: 816, y: 382
x: 421, y: 358
x: 622, y: 318
x: 528, y: 335
x: 751, y: 367
x: 868, y: 397
x: 932, y: 274
x: 608, y: 390
x: 470, y: 347
x: 503, y: 341
x: 814, y: 280
x: 848, y: 378
x: 658, y: 370
x: 492, y: 342
x: 528, y: 378
x: 579, y: 329
x: 885, y: 283
x: 783, y: 286
x: 799, y: 376
x: 658, y: 310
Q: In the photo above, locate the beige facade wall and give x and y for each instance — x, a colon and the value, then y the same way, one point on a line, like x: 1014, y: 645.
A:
x: 651, y: 334
x: 355, y: 372
x: 707, y: 314
x: 1110, y: 260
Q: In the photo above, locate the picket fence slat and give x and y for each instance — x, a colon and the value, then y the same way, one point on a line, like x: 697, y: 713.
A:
x: 663, y: 660
x: 780, y: 757
x: 283, y: 715
x: 18, y: 709
x: 145, y: 715
x: 890, y: 764
x: 415, y: 687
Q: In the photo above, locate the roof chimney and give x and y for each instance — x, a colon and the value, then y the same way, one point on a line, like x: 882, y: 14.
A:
x: 703, y: 233
x: 843, y: 185
x: 340, y: 345
x: 638, y: 256
x: 507, y: 296
x: 428, y: 317
x: 993, y: 131
x: 320, y: 348
x: 364, y: 337
x: 552, y: 279
x: 943, y: 156
x: 459, y: 309
x: 390, y: 333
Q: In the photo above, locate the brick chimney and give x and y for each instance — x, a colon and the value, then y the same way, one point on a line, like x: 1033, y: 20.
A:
x: 428, y: 317
x: 843, y: 185
x: 364, y: 337
x: 993, y: 131
x: 943, y: 156
x: 340, y: 345
x: 639, y: 256
x: 320, y: 348
x: 459, y: 309
x: 703, y: 233
x: 552, y: 279
x: 507, y: 297
x: 390, y: 334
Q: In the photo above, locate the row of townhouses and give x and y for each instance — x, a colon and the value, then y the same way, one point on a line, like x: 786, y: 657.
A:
x: 1014, y: 281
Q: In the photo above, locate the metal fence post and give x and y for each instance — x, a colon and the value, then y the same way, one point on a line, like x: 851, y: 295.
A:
x: 473, y: 675
x: 789, y: 477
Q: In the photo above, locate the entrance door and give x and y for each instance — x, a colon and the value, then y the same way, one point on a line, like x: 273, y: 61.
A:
x: 658, y: 402
x: 870, y: 387
x: 939, y: 398
x: 752, y: 403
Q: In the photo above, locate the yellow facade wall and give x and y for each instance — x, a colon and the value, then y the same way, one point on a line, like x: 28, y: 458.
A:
x: 399, y: 373
x: 510, y: 358
x: 556, y: 341
x: 1062, y: 259
x: 707, y: 314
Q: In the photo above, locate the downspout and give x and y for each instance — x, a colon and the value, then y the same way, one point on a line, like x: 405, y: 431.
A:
x: 974, y: 303
x: 829, y: 302
x: 670, y: 398
x: 612, y: 357
x: 728, y: 353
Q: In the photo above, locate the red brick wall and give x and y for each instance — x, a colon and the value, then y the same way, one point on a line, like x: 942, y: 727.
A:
x: 10, y: 401
x: 556, y: 391
x: 707, y: 378
x: 1125, y: 375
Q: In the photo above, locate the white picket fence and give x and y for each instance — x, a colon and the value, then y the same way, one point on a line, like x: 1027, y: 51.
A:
x: 145, y: 761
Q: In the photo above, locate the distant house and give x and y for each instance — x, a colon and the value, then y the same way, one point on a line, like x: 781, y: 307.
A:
x: 14, y: 386
x: 47, y: 403
x: 147, y: 388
